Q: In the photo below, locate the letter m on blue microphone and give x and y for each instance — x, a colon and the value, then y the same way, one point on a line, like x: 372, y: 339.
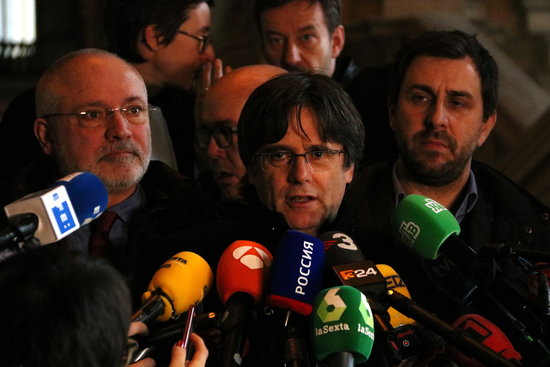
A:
x: 296, y: 273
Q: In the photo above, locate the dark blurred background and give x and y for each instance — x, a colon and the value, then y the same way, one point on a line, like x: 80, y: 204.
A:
x: 516, y: 32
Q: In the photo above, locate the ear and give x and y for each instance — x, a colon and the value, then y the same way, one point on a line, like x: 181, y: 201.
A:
x: 41, y: 127
x: 391, y: 115
x: 338, y: 40
x: 349, y: 173
x: 150, y: 37
x: 486, y: 128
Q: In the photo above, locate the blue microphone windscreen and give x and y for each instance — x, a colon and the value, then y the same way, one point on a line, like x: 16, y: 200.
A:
x: 297, y: 272
x: 87, y: 194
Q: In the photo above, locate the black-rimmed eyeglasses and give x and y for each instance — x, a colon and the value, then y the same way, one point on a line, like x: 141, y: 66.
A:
x: 223, y: 135
x: 318, y: 160
x: 204, y: 40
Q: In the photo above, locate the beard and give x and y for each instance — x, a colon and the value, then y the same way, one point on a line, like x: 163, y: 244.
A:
x: 420, y: 165
x: 118, y: 173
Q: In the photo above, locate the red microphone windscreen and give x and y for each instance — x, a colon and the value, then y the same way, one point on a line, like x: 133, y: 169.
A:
x: 243, y: 267
x: 487, y: 334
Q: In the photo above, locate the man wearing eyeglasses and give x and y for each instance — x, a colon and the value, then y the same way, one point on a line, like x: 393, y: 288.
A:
x: 94, y: 116
x: 217, y: 130
x: 300, y: 137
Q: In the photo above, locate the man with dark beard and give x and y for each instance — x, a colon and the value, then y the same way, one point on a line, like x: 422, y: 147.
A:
x: 442, y: 107
x: 93, y: 116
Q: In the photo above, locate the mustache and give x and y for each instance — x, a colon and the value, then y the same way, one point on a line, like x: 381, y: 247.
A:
x: 436, y: 135
x: 125, y: 145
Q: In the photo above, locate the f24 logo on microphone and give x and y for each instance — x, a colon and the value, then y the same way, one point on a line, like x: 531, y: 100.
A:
x: 357, y: 273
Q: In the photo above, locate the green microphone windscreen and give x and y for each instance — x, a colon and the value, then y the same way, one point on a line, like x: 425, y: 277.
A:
x: 423, y: 224
x: 342, y: 321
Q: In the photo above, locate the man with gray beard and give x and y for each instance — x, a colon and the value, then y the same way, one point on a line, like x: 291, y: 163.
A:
x: 93, y: 116
x: 442, y: 107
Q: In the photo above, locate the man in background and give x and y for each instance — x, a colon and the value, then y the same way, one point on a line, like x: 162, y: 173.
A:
x: 307, y: 35
x: 217, y: 130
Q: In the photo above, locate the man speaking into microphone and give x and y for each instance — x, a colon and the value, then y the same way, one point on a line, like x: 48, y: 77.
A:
x: 93, y: 116
x: 299, y: 137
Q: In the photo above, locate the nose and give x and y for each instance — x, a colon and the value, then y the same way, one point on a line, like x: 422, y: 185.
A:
x: 214, y: 151
x: 208, y: 54
x: 117, y: 126
x: 300, y: 171
x: 292, y: 53
x: 438, y: 115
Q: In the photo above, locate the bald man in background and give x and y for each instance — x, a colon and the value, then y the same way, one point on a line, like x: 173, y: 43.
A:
x: 217, y: 130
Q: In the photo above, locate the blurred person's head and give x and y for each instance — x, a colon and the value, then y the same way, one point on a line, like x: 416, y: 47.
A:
x: 62, y: 309
x: 93, y: 116
x: 442, y: 104
x: 300, y: 137
x: 301, y: 35
x: 168, y: 41
x: 217, y: 131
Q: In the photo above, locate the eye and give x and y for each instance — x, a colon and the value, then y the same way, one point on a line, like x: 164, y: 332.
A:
x: 320, y: 154
x: 92, y: 114
x: 275, y: 40
x: 307, y: 37
x: 419, y: 98
x: 134, y: 110
x: 278, y: 156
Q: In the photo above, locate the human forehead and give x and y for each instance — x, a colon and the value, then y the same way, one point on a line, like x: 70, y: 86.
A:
x: 443, y: 74
x: 297, y: 16
x: 303, y: 132
x: 111, y: 84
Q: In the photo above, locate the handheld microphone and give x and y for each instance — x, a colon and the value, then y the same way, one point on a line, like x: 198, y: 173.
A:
x: 399, y: 336
x: 486, y: 333
x: 342, y: 327
x: 429, y: 229
x: 72, y: 201
x: 241, y: 275
x: 183, y: 280
x: 296, y: 274
x: 295, y: 280
x: 368, y: 277
x: 88, y: 195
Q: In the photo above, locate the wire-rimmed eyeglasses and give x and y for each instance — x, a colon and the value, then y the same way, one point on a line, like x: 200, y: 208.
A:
x: 95, y: 117
x: 204, y: 40
x: 223, y: 135
x: 318, y: 160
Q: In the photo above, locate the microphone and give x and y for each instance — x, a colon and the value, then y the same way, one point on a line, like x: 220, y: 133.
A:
x: 486, y: 333
x: 368, y: 278
x: 342, y: 327
x: 429, y: 229
x: 394, y: 282
x: 88, y: 195
x: 183, y: 280
x: 241, y: 275
x: 71, y: 202
x: 296, y: 274
x: 398, y: 336
x: 295, y: 280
